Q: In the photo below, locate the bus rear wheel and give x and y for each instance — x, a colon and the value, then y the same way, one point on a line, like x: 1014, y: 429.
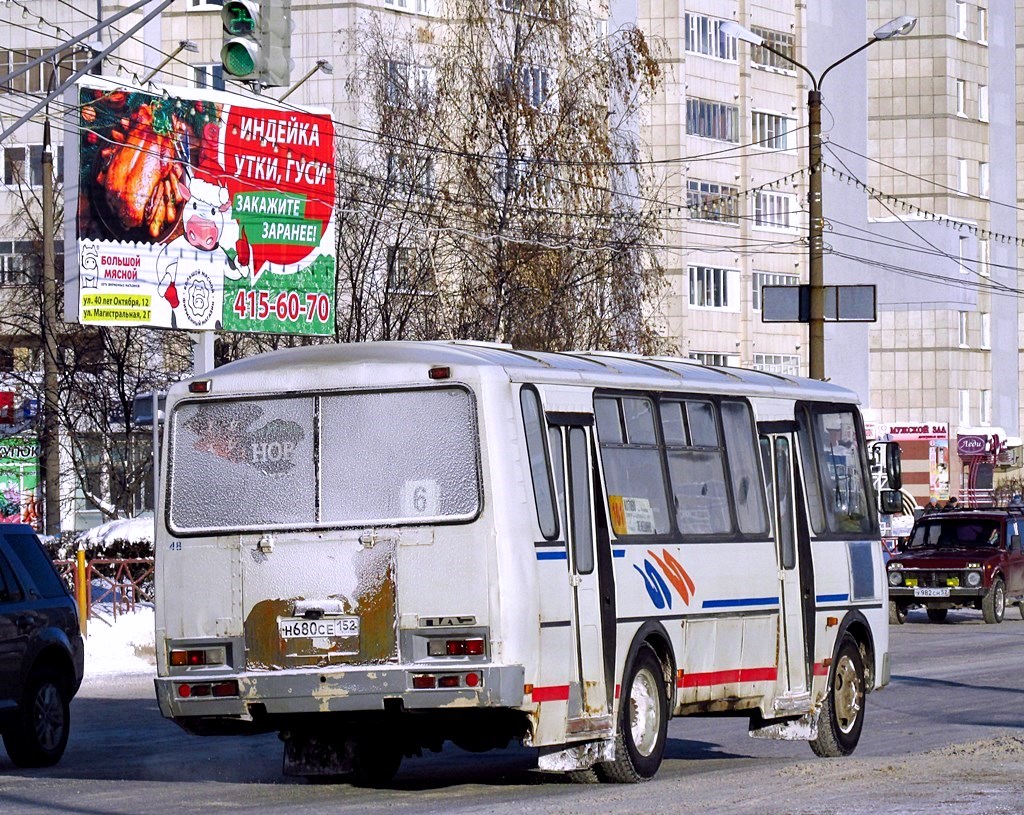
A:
x: 841, y: 716
x: 643, y: 723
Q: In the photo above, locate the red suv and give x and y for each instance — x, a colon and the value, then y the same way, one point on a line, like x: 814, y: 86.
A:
x: 959, y: 559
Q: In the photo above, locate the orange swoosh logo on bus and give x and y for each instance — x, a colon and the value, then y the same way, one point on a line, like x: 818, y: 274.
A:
x: 676, y: 574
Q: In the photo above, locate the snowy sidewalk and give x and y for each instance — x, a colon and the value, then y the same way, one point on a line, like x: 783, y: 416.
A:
x: 124, y: 645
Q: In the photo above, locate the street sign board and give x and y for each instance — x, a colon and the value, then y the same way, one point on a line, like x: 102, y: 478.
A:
x: 195, y: 210
x: 792, y: 304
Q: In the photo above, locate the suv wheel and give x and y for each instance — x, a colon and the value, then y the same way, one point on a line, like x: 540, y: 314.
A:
x: 993, y: 605
x: 898, y: 613
x: 40, y: 734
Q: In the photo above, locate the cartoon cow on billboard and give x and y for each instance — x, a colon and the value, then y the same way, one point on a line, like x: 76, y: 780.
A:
x: 208, y: 228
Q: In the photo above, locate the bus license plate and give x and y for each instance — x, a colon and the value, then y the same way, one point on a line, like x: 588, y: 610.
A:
x: 926, y: 592
x: 299, y: 627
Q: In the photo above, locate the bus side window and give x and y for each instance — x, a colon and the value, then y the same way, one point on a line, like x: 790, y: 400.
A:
x: 696, y: 465
x: 637, y: 496
x: 742, y: 454
x: 540, y: 464
x: 835, y: 471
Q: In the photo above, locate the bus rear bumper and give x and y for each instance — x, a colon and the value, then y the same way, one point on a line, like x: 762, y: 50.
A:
x: 272, y: 694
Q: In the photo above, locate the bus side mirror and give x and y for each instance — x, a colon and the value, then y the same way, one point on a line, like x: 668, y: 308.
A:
x: 891, y: 502
x: 893, y: 465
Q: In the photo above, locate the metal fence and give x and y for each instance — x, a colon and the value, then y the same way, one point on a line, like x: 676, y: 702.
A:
x: 119, y: 583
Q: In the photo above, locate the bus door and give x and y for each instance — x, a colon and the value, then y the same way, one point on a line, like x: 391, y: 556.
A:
x: 571, y: 454
x: 778, y: 442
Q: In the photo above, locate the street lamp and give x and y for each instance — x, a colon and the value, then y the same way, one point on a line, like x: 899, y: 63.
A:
x: 183, y: 45
x: 321, y: 65
x: 816, y: 272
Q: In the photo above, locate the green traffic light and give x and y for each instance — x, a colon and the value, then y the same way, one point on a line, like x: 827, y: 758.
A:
x: 237, y: 59
x: 237, y: 19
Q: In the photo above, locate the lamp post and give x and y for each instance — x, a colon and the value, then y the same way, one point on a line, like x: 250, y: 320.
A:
x: 816, y: 269
x: 321, y: 65
x: 183, y: 45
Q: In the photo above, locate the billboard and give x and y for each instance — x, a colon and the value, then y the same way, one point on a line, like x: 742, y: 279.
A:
x: 19, y: 480
x: 199, y: 210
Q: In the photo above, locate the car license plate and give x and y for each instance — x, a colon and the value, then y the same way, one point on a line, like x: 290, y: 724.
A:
x: 926, y: 592
x: 299, y: 627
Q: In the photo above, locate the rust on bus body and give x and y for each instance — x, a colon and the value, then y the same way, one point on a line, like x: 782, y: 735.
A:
x: 373, y: 602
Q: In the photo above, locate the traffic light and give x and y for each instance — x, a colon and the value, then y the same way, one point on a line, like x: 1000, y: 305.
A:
x: 257, y: 40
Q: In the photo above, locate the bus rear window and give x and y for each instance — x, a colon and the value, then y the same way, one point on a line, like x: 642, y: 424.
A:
x: 403, y: 456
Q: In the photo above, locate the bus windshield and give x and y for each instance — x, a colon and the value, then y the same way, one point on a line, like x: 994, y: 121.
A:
x: 308, y: 460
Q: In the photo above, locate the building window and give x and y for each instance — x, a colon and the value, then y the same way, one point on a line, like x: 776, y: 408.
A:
x: 961, y: 176
x: 983, y: 103
x: 710, y: 287
x: 985, y: 408
x: 762, y: 279
x: 784, y: 364
x: 983, y: 179
x: 771, y: 131
x: 37, y: 78
x: 19, y: 263
x: 14, y: 166
x: 713, y: 120
x: 773, y: 210
x: 763, y: 58
x: 983, y: 26
x: 208, y: 76
x: 532, y: 8
x: 986, y: 330
x: 534, y: 82
x: 408, y: 273
x: 961, y: 97
x: 709, y: 201
x: 962, y: 329
x: 704, y: 36
x: 24, y: 165
x: 201, y: 3
x: 712, y: 358
x: 965, y: 408
x: 983, y: 257
x: 415, y: 173
x: 961, y: 19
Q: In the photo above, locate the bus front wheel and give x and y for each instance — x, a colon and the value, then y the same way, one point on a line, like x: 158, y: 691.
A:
x: 643, y: 723
x: 841, y: 716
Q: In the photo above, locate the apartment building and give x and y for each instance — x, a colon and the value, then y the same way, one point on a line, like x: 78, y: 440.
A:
x: 920, y: 198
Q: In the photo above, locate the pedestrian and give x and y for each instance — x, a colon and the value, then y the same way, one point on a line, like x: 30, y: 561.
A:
x: 932, y: 505
x: 952, y: 503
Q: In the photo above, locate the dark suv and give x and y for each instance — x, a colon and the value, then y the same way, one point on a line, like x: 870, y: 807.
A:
x: 41, y: 651
x: 960, y: 558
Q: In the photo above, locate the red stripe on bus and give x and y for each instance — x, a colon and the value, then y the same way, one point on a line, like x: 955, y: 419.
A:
x: 701, y: 680
x: 553, y: 693
x: 820, y: 669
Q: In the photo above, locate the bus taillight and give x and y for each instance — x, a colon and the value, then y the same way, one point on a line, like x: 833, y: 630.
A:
x: 456, y: 648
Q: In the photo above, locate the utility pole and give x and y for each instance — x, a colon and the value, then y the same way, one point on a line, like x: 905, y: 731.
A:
x: 51, y: 430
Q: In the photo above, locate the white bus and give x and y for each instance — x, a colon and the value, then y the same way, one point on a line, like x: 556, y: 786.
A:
x: 375, y: 548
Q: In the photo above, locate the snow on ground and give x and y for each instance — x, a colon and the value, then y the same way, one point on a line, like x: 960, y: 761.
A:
x: 120, y: 646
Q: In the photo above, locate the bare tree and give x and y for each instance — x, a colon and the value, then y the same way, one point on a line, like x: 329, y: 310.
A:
x: 502, y: 177
x: 101, y: 371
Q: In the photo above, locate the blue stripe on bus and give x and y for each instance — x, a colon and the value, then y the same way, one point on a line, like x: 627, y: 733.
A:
x: 618, y: 552
x: 832, y: 598
x: 742, y: 601
x: 563, y: 555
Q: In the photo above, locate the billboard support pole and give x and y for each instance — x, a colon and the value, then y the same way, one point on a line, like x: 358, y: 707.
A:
x: 202, y: 352
x: 51, y: 440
